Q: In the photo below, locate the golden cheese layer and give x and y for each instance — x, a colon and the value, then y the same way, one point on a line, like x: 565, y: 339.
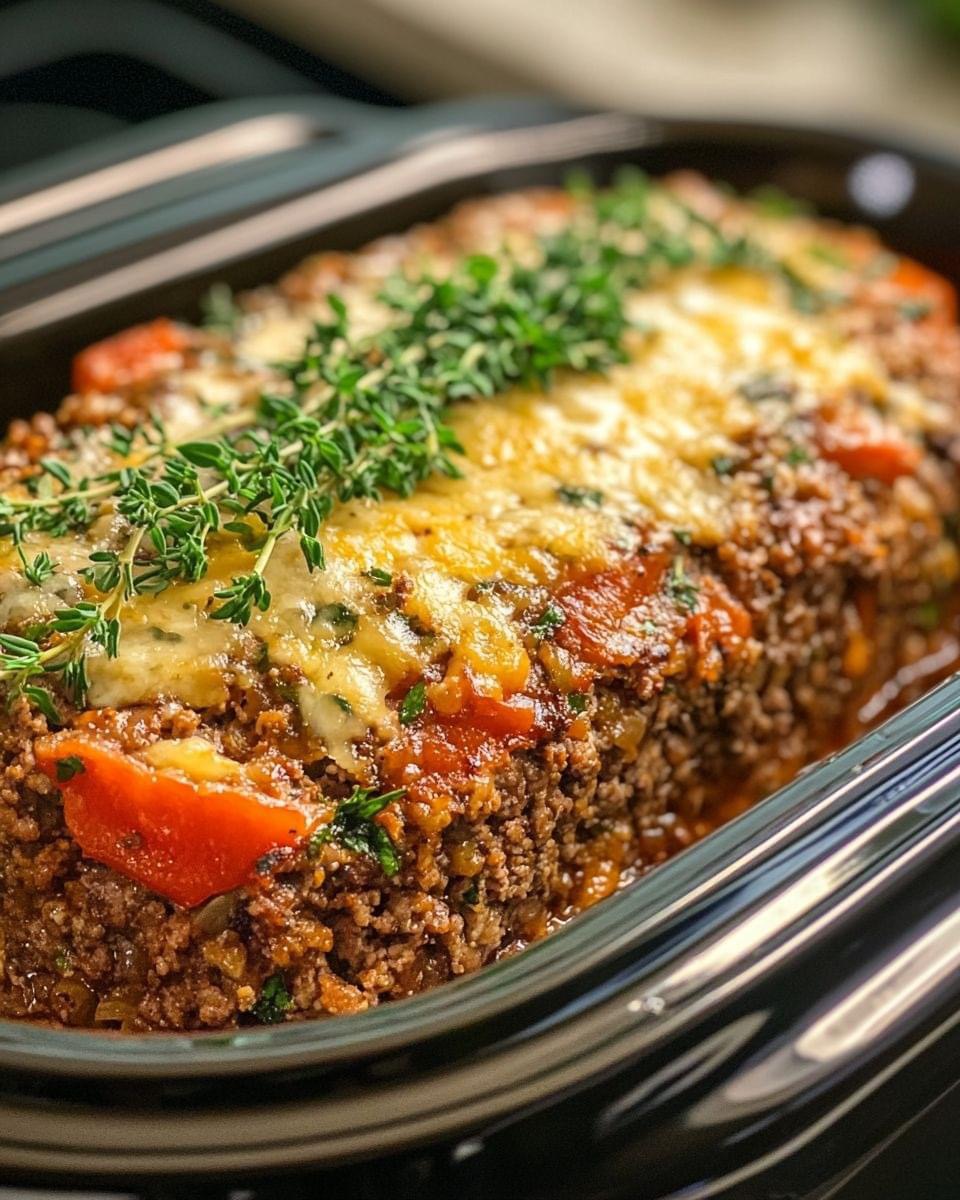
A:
x: 648, y: 435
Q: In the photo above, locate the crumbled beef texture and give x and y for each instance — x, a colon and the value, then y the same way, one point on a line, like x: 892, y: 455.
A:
x: 76, y: 934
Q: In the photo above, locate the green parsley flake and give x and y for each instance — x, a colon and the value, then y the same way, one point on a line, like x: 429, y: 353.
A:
x: 580, y: 497
x: 413, y: 703
x: 68, y: 767
x: 915, y: 310
x: 273, y: 1002
x: 797, y: 455
x: 681, y: 588
x: 547, y: 623
x: 341, y: 619
x: 723, y: 464
x: 354, y: 828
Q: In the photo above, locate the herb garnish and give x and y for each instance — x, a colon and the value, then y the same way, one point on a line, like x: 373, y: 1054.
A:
x: 723, y: 464
x: 766, y: 387
x: 578, y: 701
x: 413, y: 703
x: 914, y: 310
x: 274, y: 1000
x: 341, y: 619
x: 927, y: 616
x: 547, y: 623
x: 681, y: 588
x: 797, y: 455
x: 219, y: 309
x: 38, y: 571
x: 353, y: 416
x: 68, y: 767
x: 580, y: 497
x: 354, y: 828
x: 380, y: 577
x: 773, y: 202
x: 165, y: 635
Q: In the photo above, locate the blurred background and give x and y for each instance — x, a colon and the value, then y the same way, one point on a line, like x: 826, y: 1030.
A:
x: 74, y: 70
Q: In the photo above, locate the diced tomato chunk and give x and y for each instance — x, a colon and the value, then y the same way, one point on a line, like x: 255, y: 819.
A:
x: 604, y: 612
x: 515, y: 715
x: 185, y: 840
x: 133, y: 356
x: 445, y: 750
x: 867, y: 447
x: 719, y: 626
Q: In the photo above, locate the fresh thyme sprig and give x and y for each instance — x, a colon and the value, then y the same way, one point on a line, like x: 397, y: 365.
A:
x: 350, y: 418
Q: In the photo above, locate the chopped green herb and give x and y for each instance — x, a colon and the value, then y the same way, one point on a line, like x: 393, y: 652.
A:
x: 471, y: 895
x: 219, y: 310
x: 341, y: 619
x: 771, y: 201
x: 164, y: 635
x: 68, y: 767
x: 379, y: 577
x: 766, y: 387
x: 547, y: 623
x: 580, y: 497
x: 62, y: 961
x: 342, y: 703
x: 927, y: 616
x: 723, y: 464
x: 915, y: 310
x: 413, y: 703
x: 578, y: 701
x: 274, y: 1000
x: 831, y: 255
x: 681, y: 588
x: 354, y: 828
x: 683, y: 536
x: 797, y: 455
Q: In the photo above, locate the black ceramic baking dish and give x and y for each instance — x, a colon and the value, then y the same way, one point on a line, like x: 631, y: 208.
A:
x: 753, y: 1019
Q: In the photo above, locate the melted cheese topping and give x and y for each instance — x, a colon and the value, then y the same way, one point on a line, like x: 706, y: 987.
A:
x: 645, y: 435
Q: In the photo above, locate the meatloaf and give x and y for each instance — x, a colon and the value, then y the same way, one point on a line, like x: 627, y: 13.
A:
x: 401, y: 611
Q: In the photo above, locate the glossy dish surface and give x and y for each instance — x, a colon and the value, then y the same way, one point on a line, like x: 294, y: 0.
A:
x: 680, y: 520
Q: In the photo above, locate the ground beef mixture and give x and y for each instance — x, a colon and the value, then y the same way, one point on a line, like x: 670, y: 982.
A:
x: 844, y: 576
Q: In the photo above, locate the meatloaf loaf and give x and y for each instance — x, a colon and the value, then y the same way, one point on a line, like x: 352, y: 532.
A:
x: 401, y: 611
